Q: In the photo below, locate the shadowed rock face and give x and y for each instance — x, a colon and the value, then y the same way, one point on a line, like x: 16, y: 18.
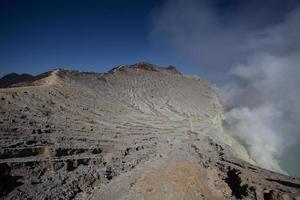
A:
x: 137, y: 132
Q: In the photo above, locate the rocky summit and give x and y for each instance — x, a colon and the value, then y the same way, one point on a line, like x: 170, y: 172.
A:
x: 136, y: 132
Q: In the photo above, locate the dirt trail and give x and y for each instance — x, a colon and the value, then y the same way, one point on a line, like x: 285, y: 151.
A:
x: 175, y: 173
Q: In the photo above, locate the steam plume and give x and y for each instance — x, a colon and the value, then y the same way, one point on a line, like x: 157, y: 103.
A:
x: 257, y: 46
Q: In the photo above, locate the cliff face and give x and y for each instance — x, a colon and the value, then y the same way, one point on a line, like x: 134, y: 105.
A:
x: 137, y: 132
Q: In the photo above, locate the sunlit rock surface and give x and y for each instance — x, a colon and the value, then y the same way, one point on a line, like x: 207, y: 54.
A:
x: 136, y: 132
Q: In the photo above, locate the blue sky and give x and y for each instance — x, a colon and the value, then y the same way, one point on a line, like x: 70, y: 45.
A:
x: 37, y: 36
x: 86, y: 35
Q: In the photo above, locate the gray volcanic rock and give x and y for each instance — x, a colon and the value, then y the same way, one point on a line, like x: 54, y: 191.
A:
x: 137, y: 132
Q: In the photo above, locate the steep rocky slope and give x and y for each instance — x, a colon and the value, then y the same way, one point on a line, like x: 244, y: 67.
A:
x: 136, y: 132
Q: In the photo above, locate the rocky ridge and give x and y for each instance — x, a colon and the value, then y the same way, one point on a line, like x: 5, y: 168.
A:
x: 136, y: 132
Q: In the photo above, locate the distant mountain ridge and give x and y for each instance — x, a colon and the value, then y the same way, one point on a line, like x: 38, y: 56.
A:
x: 13, y: 78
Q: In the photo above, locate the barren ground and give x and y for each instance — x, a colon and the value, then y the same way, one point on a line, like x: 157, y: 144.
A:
x: 136, y: 132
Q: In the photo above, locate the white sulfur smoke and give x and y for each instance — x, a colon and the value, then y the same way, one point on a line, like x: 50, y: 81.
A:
x: 261, y: 93
x: 254, y: 129
x: 266, y: 109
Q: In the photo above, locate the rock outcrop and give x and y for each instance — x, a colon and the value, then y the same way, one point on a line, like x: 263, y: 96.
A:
x: 137, y: 132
